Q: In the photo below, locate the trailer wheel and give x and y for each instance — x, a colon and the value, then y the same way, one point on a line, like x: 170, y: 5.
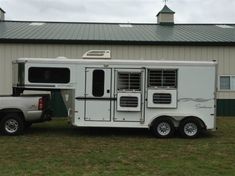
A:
x: 190, y: 128
x: 163, y: 127
x: 12, y: 124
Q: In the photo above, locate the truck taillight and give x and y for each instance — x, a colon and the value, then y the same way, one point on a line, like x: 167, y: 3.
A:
x: 41, y: 104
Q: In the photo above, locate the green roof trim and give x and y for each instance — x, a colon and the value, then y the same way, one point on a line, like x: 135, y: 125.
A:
x: 2, y: 10
x: 166, y: 9
x: 99, y: 42
x: 114, y: 33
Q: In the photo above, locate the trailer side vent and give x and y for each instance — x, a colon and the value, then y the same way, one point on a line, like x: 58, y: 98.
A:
x: 161, y: 98
x: 129, y: 81
x: 162, y: 78
x: 129, y: 102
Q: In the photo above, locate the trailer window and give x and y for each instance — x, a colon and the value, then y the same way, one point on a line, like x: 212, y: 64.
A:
x: 129, y: 81
x: 49, y: 75
x: 162, y: 98
x: 98, y: 83
x: 163, y: 78
x: 21, y: 69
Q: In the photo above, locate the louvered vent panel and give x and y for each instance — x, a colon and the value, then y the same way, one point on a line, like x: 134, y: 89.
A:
x: 129, y: 81
x: 161, y: 98
x: 162, y: 78
x: 127, y: 101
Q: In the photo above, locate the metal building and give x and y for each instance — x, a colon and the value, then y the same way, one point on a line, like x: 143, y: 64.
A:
x: 161, y: 40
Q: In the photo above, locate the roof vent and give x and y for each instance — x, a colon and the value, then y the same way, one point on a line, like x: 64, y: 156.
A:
x: 97, y: 54
x: 125, y: 25
x: 165, y: 16
x: 61, y: 57
x: 36, y: 24
x: 224, y: 26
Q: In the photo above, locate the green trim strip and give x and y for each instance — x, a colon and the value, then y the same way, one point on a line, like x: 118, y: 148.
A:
x: 106, y: 42
x: 226, y: 107
x: 57, y: 104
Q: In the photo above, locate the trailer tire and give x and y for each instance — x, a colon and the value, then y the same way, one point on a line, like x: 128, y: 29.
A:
x: 163, y: 127
x: 190, y: 128
x: 12, y: 124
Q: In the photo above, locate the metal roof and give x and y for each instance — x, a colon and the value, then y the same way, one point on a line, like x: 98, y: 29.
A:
x: 115, y: 33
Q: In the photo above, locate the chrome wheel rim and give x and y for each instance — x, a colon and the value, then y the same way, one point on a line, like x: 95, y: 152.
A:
x: 163, y: 128
x: 11, y: 126
x: 190, y: 129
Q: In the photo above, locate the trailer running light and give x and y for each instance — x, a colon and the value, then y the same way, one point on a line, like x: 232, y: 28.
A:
x: 41, y: 104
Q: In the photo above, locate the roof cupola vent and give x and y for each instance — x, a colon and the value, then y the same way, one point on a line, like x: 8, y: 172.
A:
x: 165, y: 16
x: 2, y: 15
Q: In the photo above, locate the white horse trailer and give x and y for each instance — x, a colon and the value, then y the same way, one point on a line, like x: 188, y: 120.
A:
x: 160, y: 95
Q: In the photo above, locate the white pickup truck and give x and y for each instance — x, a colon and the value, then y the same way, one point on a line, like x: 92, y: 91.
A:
x: 19, y: 112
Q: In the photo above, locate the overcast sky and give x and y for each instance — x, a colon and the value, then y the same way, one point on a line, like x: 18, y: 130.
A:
x: 143, y: 11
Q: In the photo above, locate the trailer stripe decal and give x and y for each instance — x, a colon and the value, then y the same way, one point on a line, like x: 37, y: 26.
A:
x: 93, y: 98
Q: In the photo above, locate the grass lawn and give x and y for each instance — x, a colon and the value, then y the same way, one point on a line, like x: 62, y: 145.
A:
x: 53, y: 148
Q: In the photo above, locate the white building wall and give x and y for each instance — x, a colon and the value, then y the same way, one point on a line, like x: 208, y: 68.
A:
x: 224, y: 55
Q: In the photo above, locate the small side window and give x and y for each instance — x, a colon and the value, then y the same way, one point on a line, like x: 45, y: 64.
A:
x: 21, y: 73
x: 98, y: 83
x: 225, y: 83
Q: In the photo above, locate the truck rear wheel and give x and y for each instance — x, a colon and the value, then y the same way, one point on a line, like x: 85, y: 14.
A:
x: 190, y: 128
x: 12, y: 124
x: 163, y: 127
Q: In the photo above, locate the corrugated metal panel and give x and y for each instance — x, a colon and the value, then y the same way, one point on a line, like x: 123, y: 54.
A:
x: 224, y: 55
x: 225, y: 107
x: 57, y: 104
x: 111, y: 32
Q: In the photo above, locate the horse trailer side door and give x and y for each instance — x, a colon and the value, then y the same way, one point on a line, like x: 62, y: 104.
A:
x: 98, y: 94
x: 129, y: 91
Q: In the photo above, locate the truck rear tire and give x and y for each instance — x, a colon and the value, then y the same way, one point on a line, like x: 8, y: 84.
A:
x: 190, y: 128
x: 12, y: 124
x: 163, y: 127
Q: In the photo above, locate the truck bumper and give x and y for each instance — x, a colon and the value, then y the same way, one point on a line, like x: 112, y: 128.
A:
x: 46, y: 115
x: 38, y: 116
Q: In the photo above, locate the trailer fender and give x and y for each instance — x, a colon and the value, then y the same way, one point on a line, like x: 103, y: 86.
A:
x: 201, y: 122
x: 162, y: 116
x: 176, y: 119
